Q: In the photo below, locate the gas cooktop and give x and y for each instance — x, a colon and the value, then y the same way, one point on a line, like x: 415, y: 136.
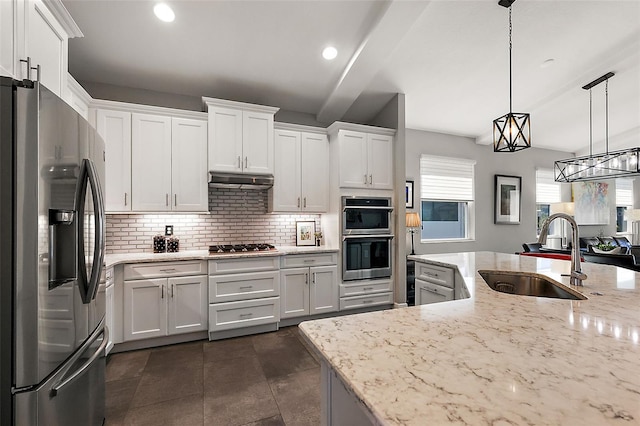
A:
x: 240, y: 248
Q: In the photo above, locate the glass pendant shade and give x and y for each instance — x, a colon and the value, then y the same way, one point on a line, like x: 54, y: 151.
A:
x: 511, y: 132
x: 601, y: 166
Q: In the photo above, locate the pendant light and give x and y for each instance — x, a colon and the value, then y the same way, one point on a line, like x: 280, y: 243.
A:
x: 600, y: 166
x: 512, y: 131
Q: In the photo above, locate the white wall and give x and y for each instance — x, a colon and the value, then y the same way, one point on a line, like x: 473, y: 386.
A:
x: 488, y: 236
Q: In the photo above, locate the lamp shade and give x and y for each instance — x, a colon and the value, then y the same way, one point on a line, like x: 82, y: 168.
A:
x: 630, y: 215
x: 413, y: 220
x: 568, y: 208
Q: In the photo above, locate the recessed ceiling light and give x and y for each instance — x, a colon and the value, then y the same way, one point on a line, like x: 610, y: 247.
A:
x: 547, y: 63
x: 164, y: 12
x: 329, y: 53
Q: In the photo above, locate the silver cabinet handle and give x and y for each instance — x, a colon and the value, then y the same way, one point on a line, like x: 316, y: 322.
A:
x: 239, y: 165
x: 161, y: 291
x: 175, y: 199
x: 365, y: 179
x: 166, y: 199
x: 364, y: 302
x: 168, y: 270
x: 298, y: 201
x: 308, y: 261
x: 125, y: 198
x: 314, y: 277
x: 28, y: 62
x: 172, y: 286
x: 367, y: 288
x: 371, y: 179
x: 246, y: 315
x: 431, y: 274
x: 246, y: 287
x: 306, y: 279
x: 246, y: 162
x: 304, y: 204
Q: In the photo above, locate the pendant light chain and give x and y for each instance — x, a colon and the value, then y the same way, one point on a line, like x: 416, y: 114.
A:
x: 606, y: 97
x: 590, y: 125
x: 510, y: 48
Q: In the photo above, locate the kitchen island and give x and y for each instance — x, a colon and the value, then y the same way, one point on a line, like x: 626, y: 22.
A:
x: 492, y: 358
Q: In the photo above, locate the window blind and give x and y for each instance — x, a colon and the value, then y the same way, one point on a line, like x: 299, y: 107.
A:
x: 547, y: 189
x: 624, y: 192
x: 444, y: 178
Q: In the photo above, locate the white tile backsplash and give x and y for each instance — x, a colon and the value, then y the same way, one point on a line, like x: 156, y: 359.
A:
x: 236, y: 216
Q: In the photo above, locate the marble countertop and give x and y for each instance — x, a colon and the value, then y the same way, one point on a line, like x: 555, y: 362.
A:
x: 496, y: 358
x: 117, y: 258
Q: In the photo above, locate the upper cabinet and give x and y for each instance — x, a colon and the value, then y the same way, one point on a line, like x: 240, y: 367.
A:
x: 364, y: 155
x: 39, y: 31
x: 240, y: 137
x: 301, y: 175
x: 156, y: 158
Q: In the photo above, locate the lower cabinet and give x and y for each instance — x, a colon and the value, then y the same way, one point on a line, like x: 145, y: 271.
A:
x: 434, y: 283
x: 109, y: 301
x: 164, y: 306
x: 365, y: 293
x: 308, y: 291
x: 427, y: 292
x: 308, y: 284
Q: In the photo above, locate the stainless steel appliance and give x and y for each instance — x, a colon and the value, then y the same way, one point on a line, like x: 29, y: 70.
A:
x: 52, y: 330
x: 366, y: 215
x: 366, y: 256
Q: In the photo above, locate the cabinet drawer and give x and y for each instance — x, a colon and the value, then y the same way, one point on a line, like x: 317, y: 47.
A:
x: 303, y: 260
x: 365, y: 301
x: 226, y: 316
x: 436, y: 274
x: 228, y: 288
x: 363, y: 288
x: 248, y: 264
x: 136, y: 271
x: 428, y: 292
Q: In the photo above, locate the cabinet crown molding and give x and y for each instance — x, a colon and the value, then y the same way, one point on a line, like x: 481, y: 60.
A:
x: 299, y: 128
x: 207, y: 102
x: 63, y: 16
x: 147, y: 109
x: 340, y: 125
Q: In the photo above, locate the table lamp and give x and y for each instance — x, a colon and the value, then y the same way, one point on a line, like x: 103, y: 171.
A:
x: 413, y: 223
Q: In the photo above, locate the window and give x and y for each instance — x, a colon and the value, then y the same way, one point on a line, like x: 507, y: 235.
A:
x: 547, y: 193
x: 624, y: 201
x: 446, y: 195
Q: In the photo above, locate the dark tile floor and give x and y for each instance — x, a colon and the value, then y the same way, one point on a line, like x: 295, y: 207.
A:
x: 268, y: 379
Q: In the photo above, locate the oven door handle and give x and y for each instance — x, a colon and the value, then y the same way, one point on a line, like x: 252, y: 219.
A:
x: 351, y: 237
x: 345, y: 208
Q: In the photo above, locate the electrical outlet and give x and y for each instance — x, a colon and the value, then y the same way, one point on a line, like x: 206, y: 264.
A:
x: 168, y: 230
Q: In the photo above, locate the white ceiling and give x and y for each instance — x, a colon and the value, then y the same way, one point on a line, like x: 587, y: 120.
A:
x: 449, y: 57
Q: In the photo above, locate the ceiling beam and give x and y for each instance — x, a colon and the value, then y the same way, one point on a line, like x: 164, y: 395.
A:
x: 386, y: 33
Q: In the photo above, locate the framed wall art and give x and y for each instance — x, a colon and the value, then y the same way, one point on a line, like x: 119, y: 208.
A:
x: 591, y: 203
x: 408, y: 194
x: 507, y: 200
x: 305, y: 233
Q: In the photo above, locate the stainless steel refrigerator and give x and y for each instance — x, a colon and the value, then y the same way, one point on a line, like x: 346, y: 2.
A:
x: 52, y: 332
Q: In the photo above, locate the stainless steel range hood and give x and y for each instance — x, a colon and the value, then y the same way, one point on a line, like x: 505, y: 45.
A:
x: 239, y: 181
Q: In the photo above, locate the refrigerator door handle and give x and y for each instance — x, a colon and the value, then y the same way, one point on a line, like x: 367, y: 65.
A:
x: 76, y: 374
x: 89, y: 285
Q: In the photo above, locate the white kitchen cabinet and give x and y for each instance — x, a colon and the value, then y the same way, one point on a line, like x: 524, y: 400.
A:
x: 428, y: 292
x: 115, y: 129
x: 364, y: 155
x: 189, y: 174
x: 240, y: 137
x: 308, y: 290
x: 77, y: 97
x: 150, y: 162
x: 109, y: 311
x: 163, y: 302
x: 301, y: 172
x: 155, y: 162
x: 434, y: 283
x: 365, y: 293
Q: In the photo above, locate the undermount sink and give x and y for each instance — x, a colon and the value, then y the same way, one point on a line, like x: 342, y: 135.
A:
x: 528, y: 284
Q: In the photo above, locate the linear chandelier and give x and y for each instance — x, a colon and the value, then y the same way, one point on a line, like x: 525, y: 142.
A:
x: 512, y: 131
x: 600, y: 166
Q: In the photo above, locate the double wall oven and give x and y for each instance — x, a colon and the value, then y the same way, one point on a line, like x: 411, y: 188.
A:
x: 366, y: 237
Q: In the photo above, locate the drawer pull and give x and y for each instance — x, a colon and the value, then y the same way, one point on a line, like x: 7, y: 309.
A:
x: 246, y: 287
x: 246, y: 315
x: 367, y: 288
x: 365, y: 302
x: 431, y: 274
x: 168, y: 270
x: 308, y: 261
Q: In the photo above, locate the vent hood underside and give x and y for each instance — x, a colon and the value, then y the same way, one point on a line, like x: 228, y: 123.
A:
x: 240, y: 181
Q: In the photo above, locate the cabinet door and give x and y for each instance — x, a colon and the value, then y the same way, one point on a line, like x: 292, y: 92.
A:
x: 108, y: 316
x: 294, y: 292
x: 115, y: 129
x: 150, y: 162
x: 323, y: 290
x: 286, y: 176
x: 225, y: 139
x: 315, y: 172
x: 353, y: 159
x: 47, y: 47
x: 427, y: 292
x: 145, y: 309
x: 257, y: 142
x: 188, y: 304
x: 380, y: 161
x: 189, y: 174
x: 9, y: 42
